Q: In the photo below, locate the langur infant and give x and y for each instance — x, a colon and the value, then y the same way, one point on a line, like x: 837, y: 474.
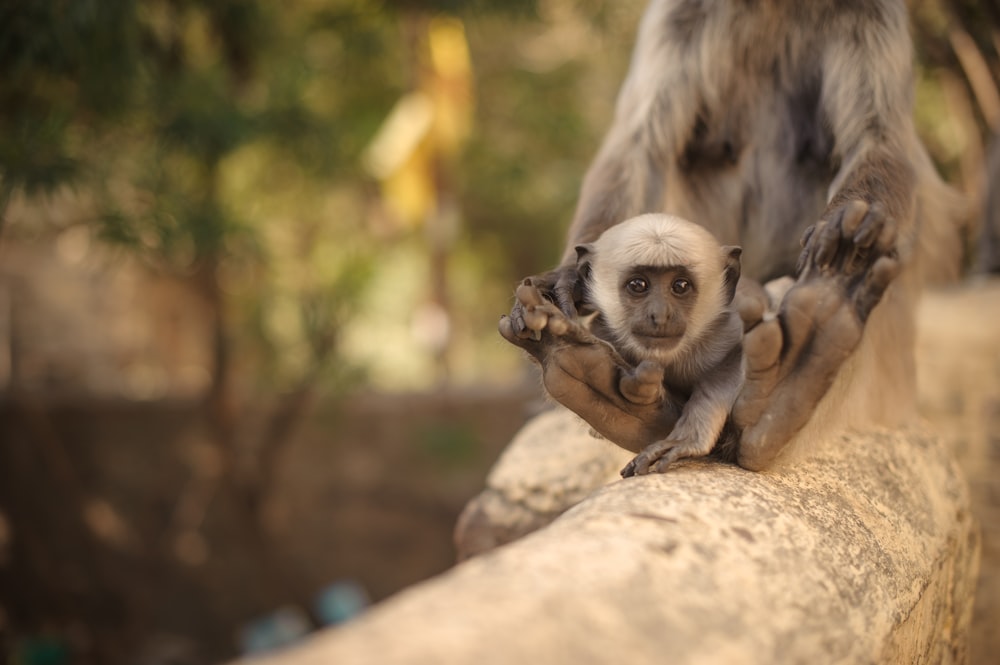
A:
x: 660, y: 290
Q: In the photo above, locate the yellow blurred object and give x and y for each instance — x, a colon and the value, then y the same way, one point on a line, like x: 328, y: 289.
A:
x: 450, y: 85
x: 399, y: 157
x: 425, y: 128
x: 400, y: 135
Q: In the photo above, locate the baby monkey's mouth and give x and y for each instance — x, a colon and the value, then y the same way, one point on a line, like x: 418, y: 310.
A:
x: 658, y: 340
x: 659, y: 335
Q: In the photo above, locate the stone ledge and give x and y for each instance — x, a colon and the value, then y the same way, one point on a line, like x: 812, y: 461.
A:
x: 864, y: 552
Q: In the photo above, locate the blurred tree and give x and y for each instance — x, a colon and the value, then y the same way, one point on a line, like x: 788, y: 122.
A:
x: 164, y: 115
x: 958, y: 101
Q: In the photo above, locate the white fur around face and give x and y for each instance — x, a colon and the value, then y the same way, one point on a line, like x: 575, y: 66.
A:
x: 656, y: 240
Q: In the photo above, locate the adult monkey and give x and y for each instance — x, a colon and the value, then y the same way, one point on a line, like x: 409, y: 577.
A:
x: 784, y: 127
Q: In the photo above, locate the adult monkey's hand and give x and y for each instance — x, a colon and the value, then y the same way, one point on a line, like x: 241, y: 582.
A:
x: 627, y: 405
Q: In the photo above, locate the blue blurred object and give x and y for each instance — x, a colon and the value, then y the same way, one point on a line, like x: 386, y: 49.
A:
x: 341, y: 601
x: 278, y: 629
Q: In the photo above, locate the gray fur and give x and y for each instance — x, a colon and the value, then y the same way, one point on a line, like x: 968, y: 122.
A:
x: 755, y: 118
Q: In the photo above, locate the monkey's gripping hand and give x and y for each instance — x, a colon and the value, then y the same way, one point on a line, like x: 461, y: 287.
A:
x: 627, y: 405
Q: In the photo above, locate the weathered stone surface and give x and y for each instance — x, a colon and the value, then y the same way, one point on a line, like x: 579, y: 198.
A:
x: 530, y: 485
x: 958, y: 364
x: 864, y: 552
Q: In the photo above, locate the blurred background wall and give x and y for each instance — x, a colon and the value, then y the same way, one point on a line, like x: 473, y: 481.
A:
x: 252, y: 256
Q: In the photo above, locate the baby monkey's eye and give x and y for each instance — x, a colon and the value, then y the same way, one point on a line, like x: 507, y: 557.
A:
x: 680, y: 286
x: 637, y: 286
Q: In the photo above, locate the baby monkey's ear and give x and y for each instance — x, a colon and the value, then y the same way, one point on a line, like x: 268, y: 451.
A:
x: 730, y: 271
x: 584, y: 260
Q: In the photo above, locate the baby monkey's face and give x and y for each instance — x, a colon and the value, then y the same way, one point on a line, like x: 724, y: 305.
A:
x: 657, y: 302
x: 660, y: 285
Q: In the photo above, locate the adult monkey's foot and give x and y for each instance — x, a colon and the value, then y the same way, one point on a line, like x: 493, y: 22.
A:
x: 793, y: 358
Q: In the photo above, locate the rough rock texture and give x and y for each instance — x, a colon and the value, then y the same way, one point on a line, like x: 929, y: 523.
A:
x: 529, y: 485
x: 863, y: 553
x: 958, y: 362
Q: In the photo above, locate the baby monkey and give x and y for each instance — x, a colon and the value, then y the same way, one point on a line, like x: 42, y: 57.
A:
x: 660, y: 290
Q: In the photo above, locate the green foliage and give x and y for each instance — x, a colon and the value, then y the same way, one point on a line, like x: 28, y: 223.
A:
x: 34, y: 157
x: 63, y: 67
x: 446, y: 443
x: 522, y: 171
x: 143, y: 104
